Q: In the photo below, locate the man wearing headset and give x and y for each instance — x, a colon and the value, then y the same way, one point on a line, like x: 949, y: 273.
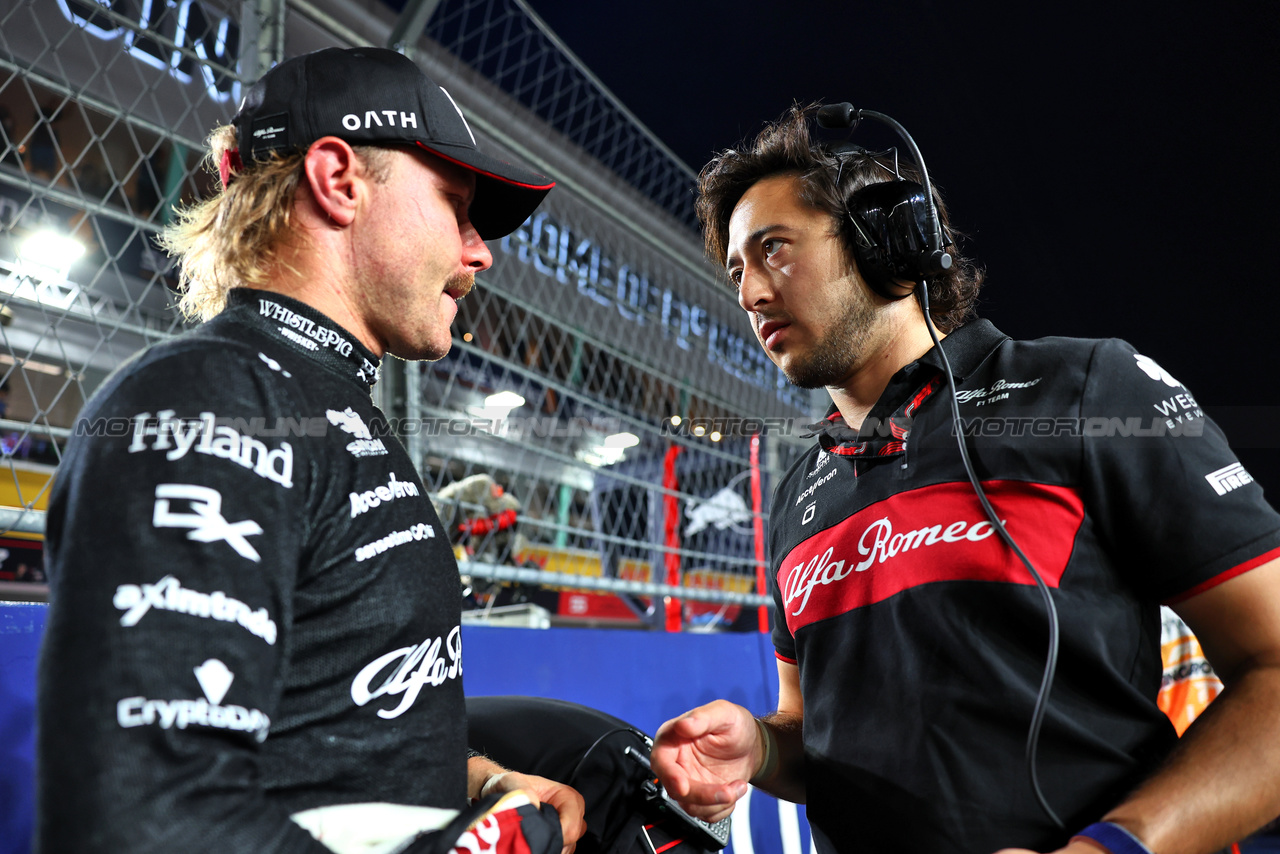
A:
x: 911, y: 639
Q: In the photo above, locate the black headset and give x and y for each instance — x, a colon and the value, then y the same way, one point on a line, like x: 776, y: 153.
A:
x: 889, y: 225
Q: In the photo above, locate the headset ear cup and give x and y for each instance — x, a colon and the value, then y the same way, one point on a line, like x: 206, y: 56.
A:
x: 869, y: 257
x: 889, y: 225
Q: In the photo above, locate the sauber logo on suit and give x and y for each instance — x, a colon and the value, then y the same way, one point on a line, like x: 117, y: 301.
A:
x: 935, y: 533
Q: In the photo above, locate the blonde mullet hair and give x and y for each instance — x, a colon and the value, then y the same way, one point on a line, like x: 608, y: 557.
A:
x: 232, y: 239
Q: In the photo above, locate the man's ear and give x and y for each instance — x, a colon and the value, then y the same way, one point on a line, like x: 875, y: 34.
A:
x: 335, y: 178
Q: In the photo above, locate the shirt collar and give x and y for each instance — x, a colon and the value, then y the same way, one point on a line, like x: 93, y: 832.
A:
x: 966, y: 348
x: 886, y: 426
x: 307, y: 331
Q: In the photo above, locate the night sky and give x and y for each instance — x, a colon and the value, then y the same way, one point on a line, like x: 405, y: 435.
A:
x: 1114, y: 166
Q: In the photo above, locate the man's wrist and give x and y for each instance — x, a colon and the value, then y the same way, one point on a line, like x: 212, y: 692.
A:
x: 769, y: 747
x: 481, y: 772
x: 1113, y: 838
x: 491, y: 782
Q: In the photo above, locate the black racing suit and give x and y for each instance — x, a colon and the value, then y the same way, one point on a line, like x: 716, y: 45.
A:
x: 254, y: 609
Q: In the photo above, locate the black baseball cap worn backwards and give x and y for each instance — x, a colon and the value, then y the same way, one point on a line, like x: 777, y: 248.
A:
x: 370, y: 96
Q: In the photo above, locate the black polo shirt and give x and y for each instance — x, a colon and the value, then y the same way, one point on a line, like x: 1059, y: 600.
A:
x: 921, y: 639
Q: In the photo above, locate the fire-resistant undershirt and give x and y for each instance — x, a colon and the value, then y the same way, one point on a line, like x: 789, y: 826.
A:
x: 254, y: 609
x: 921, y: 640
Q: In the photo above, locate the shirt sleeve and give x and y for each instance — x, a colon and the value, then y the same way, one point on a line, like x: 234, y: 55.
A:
x: 174, y: 535
x: 1172, y: 501
x: 784, y: 643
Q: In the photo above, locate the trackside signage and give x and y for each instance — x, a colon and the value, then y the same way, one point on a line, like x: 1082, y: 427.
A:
x: 935, y: 533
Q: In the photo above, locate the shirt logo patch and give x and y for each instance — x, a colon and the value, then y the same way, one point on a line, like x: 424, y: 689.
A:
x: 363, y: 502
x: 935, y: 533
x: 168, y: 594
x: 350, y: 422
x: 813, y: 487
x: 1153, y: 370
x: 303, y: 330
x: 205, y: 520
x: 204, y: 435
x: 1230, y: 478
x: 420, y: 531
x: 415, y: 667
x: 215, y: 680
x: 999, y: 390
x: 273, y: 364
x: 823, y: 459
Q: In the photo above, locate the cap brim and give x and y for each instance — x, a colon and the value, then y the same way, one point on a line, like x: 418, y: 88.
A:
x: 506, y: 195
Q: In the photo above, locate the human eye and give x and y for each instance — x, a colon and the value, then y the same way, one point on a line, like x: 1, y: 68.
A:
x: 735, y: 277
x: 770, y: 246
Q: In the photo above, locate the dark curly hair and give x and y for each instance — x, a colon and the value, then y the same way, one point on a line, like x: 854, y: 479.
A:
x: 828, y: 176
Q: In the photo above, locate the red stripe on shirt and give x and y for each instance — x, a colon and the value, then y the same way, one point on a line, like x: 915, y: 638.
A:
x: 1226, y: 576
x: 934, y: 533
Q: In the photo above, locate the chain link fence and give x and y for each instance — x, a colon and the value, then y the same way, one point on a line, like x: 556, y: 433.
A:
x: 592, y: 427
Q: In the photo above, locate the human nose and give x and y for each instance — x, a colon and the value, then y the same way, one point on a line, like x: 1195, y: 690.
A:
x: 476, y: 256
x: 755, y: 290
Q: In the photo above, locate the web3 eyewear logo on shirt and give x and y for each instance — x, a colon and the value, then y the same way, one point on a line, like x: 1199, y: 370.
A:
x: 215, y: 680
x: 205, y: 520
x: 1149, y: 367
x: 416, y: 666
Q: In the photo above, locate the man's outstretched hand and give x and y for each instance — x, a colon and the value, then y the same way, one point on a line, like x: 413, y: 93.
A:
x: 705, y: 757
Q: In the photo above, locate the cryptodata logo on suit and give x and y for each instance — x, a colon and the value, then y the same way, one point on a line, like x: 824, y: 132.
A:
x: 925, y: 536
x: 215, y: 680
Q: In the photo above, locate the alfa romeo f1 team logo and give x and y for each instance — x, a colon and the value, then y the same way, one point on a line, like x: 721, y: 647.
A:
x: 925, y: 536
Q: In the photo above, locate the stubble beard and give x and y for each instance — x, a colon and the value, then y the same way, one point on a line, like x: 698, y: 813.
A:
x: 412, y: 347
x: 837, y: 353
x: 461, y: 283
